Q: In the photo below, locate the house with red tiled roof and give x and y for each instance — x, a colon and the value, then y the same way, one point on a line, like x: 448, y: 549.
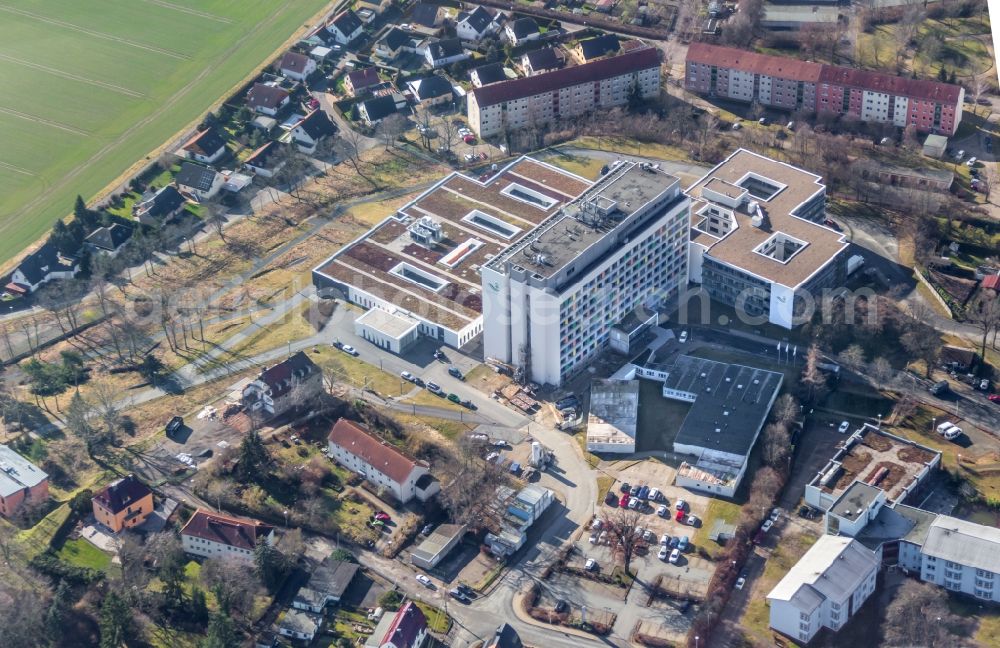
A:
x: 213, y: 535
x: 278, y: 388
x: 206, y: 146
x: 296, y: 66
x: 405, y: 629
x: 795, y: 85
x: 385, y: 467
x: 355, y: 82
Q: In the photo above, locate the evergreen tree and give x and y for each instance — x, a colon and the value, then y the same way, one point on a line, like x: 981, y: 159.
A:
x: 56, y: 614
x: 221, y: 633
x: 88, y: 218
x: 269, y: 564
x: 199, y: 606
x: 253, y: 457
x: 116, y: 621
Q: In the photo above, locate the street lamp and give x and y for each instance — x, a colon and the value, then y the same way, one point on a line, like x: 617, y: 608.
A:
x: 286, y: 518
x: 696, y: 641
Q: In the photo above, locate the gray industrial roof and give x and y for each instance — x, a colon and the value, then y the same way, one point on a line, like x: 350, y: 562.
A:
x: 731, y: 403
x: 898, y: 523
x: 965, y: 543
x: 17, y: 473
x: 333, y: 577
x: 855, y: 500
x: 438, y: 541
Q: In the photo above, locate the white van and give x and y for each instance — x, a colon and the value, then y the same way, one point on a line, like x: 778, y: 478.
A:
x: 944, y: 427
x: 654, y: 495
x: 953, y: 433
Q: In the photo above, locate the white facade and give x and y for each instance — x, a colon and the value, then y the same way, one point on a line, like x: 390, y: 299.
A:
x: 544, y: 321
x: 309, y: 68
x: 824, y: 589
x: 206, y: 194
x: 210, y: 549
x: 960, y: 556
x: 403, y: 491
x: 395, y: 331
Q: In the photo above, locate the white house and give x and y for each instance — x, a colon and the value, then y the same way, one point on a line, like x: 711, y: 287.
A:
x: 445, y: 52
x: 298, y: 624
x: 199, y: 182
x: 212, y: 535
x: 267, y: 99
x: 43, y: 265
x: 521, y: 31
x: 296, y: 66
x: 475, y: 25
x: 313, y: 128
x: 345, y: 27
x: 205, y: 147
x: 356, y: 449
x: 264, y: 161
x: 824, y: 589
x: 405, y: 629
x: 280, y: 387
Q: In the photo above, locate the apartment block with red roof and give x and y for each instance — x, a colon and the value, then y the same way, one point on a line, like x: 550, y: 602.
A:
x: 790, y: 84
x: 213, y: 535
x: 355, y: 448
x: 561, y: 94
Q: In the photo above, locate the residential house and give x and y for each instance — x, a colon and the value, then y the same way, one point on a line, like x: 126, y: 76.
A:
x: 562, y: 94
x: 824, y: 589
x: 198, y: 182
x: 385, y: 467
x: 160, y: 207
x: 591, y: 49
x: 345, y: 27
x: 123, y: 504
x: 542, y: 60
x: 265, y: 161
x: 475, y: 25
x: 205, y: 147
x: 445, y: 52
x: 313, y: 128
x: 41, y: 266
x: 298, y: 624
x: 213, y: 535
x: 355, y: 82
x: 427, y: 15
x: 432, y: 91
x: 20, y: 482
x: 108, y: 240
x: 296, y: 66
x: 405, y: 629
x: 292, y: 382
x: 393, y: 43
x: 267, y: 99
x: 522, y: 30
x: 958, y: 359
x: 375, y: 110
x: 487, y: 74
x: 327, y: 584
x: 803, y: 86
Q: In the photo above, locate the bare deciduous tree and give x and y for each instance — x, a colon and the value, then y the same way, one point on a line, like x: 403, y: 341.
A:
x: 621, y: 524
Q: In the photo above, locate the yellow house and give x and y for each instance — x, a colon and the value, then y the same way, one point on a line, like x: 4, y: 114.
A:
x: 123, y: 504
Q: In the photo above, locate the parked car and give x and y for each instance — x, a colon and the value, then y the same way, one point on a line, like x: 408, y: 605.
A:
x: 663, y: 553
x: 383, y: 516
x: 633, y: 503
x: 960, y: 154
x: 634, y: 492
x: 681, y: 505
x: 970, y: 162
x: 674, y: 541
x: 455, y: 373
x: 591, y: 565
x: 940, y: 387
x: 665, y: 539
x: 469, y: 405
x: 693, y: 520
x: 593, y: 538
x: 406, y: 375
x: 790, y: 125
x: 994, y: 398
x: 680, y: 516
x: 675, y: 555
x: 626, y: 487
x: 648, y: 536
x: 561, y: 606
x: 762, y: 121
x: 624, y: 501
x: 455, y: 398
x: 459, y: 596
x: 683, y: 337
x: 663, y: 511
x: 643, y: 493
x: 740, y: 582
x: 439, y: 355
x: 610, y: 498
x: 175, y: 425
x: 418, y: 381
x: 469, y: 139
x: 567, y: 402
x: 766, y: 526
x: 683, y: 543
x: 349, y: 350
x: 843, y: 427
x: 654, y: 494
x: 775, y: 514
x: 434, y: 388
x: 423, y: 580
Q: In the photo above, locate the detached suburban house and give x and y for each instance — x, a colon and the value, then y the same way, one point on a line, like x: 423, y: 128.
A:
x: 108, y: 240
x: 213, y: 535
x: 487, y: 74
x: 521, y: 31
x: 288, y: 383
x: 375, y: 110
x: 264, y: 161
x: 355, y: 82
x: 541, y: 60
x: 159, y: 208
x: 205, y: 147
x: 445, y: 52
x: 40, y: 267
x: 405, y: 629
x: 358, y: 450
x: 198, y: 182
x: 592, y: 49
x: 298, y: 624
x: 267, y: 99
x: 20, y: 481
x: 296, y: 66
x: 345, y: 27
x: 326, y: 586
x: 475, y: 25
x: 313, y: 128
x: 124, y: 504
x: 395, y: 42
x: 432, y: 91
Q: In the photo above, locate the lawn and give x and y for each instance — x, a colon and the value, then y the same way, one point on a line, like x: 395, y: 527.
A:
x: 756, y: 619
x: 354, y: 371
x: 437, y: 620
x: 580, y: 164
x: 717, y: 510
x: 37, y: 539
x: 81, y: 553
x: 90, y: 93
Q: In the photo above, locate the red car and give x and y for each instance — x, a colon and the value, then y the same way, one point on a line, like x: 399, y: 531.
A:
x: 994, y: 398
x: 680, y: 515
x: 469, y: 139
x: 623, y: 502
x: 382, y: 516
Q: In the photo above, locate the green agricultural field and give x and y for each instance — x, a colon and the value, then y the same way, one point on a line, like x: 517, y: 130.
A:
x: 91, y: 88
